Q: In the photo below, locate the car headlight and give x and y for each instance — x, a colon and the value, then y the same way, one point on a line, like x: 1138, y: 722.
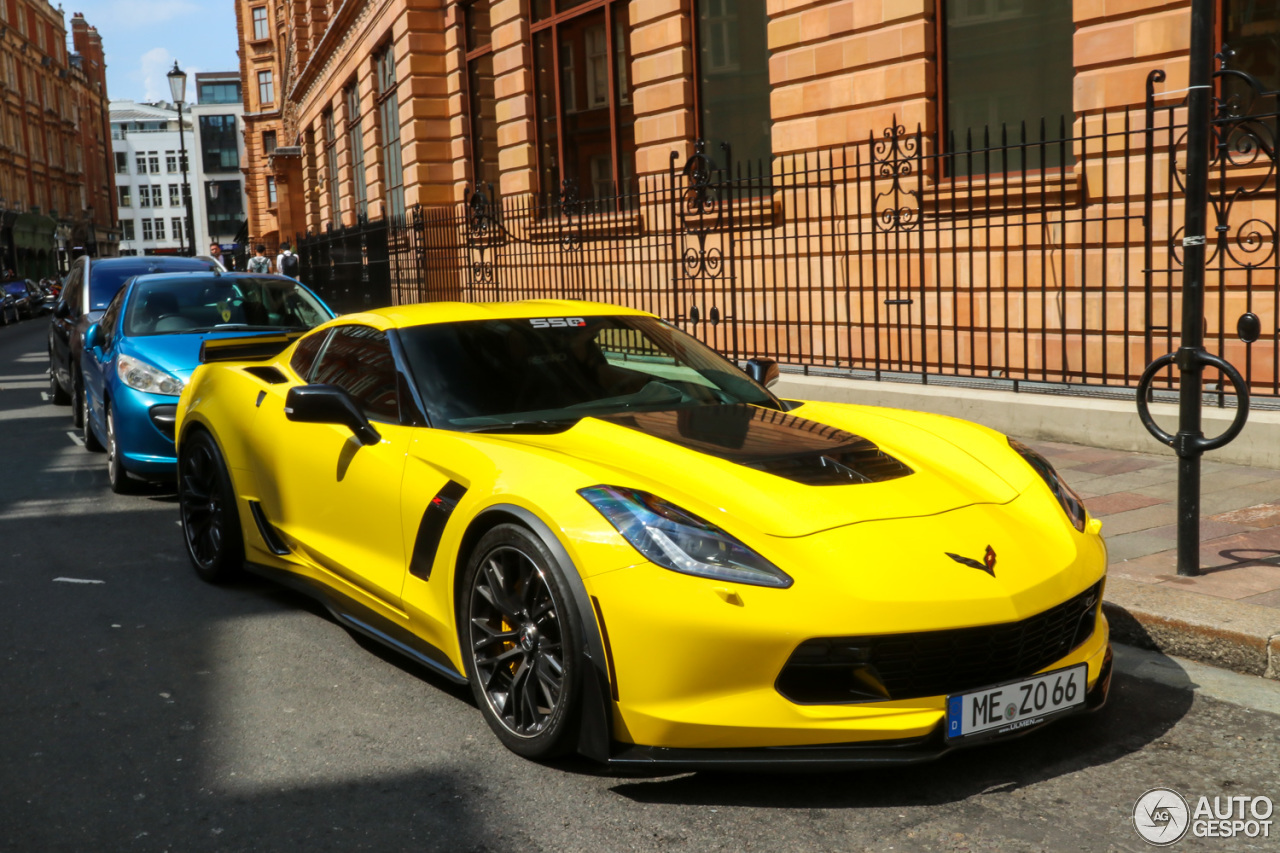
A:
x: 139, y: 375
x: 1071, y: 503
x: 681, y: 541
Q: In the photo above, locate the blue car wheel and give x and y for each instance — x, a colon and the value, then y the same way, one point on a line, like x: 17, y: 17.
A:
x: 121, y: 483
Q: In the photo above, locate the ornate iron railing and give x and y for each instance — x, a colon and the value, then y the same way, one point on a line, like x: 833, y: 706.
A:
x: 893, y: 256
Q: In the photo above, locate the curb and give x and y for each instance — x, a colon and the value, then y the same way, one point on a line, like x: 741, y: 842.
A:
x: 1229, y: 634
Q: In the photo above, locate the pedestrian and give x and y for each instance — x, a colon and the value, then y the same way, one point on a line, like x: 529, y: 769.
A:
x: 260, y: 263
x: 287, y: 262
x: 215, y: 252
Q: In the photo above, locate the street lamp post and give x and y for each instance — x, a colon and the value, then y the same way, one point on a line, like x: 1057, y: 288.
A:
x: 213, y: 196
x: 178, y: 88
x: 214, y: 233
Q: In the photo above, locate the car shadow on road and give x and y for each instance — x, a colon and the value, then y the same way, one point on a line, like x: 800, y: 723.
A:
x: 292, y: 599
x: 1138, y: 714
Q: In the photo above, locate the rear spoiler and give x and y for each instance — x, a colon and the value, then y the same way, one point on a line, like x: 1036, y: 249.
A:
x: 254, y: 347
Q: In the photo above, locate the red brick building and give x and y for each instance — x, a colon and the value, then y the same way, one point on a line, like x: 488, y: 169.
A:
x: 56, y: 186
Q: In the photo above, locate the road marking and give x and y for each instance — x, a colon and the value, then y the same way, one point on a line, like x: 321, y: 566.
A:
x: 50, y: 508
x: 44, y: 395
x: 46, y: 509
x: 76, y: 580
x: 1250, y: 691
x: 77, y: 439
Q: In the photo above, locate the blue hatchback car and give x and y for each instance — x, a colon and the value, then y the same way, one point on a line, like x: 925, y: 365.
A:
x: 137, y: 358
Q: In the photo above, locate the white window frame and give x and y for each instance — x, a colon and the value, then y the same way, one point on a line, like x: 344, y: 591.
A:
x: 263, y: 32
x: 267, y: 86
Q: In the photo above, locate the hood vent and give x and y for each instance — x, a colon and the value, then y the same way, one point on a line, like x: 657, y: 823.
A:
x: 786, y: 446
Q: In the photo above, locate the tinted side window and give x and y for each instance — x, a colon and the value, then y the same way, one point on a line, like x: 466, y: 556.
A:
x: 107, y: 325
x: 304, y: 355
x: 71, y: 290
x: 359, y: 361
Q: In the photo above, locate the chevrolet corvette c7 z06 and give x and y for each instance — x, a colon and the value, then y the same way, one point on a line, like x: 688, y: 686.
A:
x: 630, y: 548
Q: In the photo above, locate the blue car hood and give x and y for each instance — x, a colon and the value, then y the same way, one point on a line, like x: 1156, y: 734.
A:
x: 176, y: 354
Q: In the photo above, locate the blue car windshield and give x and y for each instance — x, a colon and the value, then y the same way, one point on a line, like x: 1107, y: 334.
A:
x: 486, y: 374
x: 174, y: 306
x: 107, y: 277
x: 17, y: 288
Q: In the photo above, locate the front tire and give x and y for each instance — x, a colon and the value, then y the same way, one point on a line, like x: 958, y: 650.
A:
x: 81, y: 403
x: 521, y: 640
x: 91, y: 442
x: 119, y: 478
x: 210, y: 519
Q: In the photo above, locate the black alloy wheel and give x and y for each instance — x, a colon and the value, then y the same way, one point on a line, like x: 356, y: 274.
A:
x: 119, y: 478
x: 57, y: 395
x: 521, y: 639
x: 210, y: 521
x: 91, y: 442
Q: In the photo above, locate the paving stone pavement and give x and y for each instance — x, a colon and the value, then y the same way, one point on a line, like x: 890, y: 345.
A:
x: 1135, y: 495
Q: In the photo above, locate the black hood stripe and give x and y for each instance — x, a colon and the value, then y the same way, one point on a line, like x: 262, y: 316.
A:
x: 771, y: 441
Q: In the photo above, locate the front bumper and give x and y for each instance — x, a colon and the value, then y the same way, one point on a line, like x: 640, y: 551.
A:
x: 144, y: 432
x: 695, y: 663
x: 918, y: 750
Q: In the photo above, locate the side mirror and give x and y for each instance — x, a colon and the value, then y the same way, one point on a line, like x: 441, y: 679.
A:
x: 62, y: 311
x: 93, y: 337
x: 763, y: 370
x: 329, y: 404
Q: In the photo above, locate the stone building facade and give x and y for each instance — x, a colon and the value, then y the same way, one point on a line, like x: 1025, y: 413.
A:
x: 476, y: 88
x: 1020, y: 203
x: 56, y: 187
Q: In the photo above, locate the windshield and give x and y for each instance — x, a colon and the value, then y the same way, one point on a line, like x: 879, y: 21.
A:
x: 182, y: 306
x: 17, y: 288
x: 108, y: 276
x: 494, y: 374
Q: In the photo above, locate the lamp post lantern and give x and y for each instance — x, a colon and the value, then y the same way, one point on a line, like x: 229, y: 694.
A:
x: 213, y: 196
x: 178, y: 88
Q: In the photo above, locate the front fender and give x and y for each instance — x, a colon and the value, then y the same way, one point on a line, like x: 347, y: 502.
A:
x: 596, y: 724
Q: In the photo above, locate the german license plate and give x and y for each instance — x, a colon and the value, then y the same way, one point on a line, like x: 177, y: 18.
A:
x: 1016, y: 705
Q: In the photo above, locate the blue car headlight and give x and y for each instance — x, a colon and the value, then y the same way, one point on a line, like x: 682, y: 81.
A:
x: 1071, y: 503
x: 681, y: 541
x: 141, y: 376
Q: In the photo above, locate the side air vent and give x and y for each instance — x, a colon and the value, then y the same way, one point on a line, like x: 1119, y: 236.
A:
x: 270, y: 535
x: 270, y: 375
x: 432, y: 528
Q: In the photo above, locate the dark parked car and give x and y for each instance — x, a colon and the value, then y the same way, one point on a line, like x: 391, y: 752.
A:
x: 17, y: 292
x: 88, y: 288
x: 37, y: 298
x: 8, y: 308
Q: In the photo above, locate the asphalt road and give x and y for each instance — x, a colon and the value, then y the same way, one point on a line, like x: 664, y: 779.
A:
x: 148, y: 711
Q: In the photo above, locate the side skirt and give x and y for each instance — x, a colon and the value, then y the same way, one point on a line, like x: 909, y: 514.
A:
x: 355, y: 616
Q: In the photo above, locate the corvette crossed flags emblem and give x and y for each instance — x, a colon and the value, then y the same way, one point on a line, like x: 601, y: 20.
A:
x: 987, y: 565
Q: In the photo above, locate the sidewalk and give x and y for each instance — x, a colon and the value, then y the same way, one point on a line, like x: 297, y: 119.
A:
x: 1228, y: 616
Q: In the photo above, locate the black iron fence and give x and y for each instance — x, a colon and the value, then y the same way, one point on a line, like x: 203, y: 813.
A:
x: 1039, y: 254
x: 350, y: 267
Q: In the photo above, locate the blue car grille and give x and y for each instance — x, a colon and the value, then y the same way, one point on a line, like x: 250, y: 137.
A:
x: 838, y: 670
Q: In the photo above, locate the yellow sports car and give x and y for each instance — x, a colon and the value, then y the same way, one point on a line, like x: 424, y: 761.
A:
x: 630, y: 548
